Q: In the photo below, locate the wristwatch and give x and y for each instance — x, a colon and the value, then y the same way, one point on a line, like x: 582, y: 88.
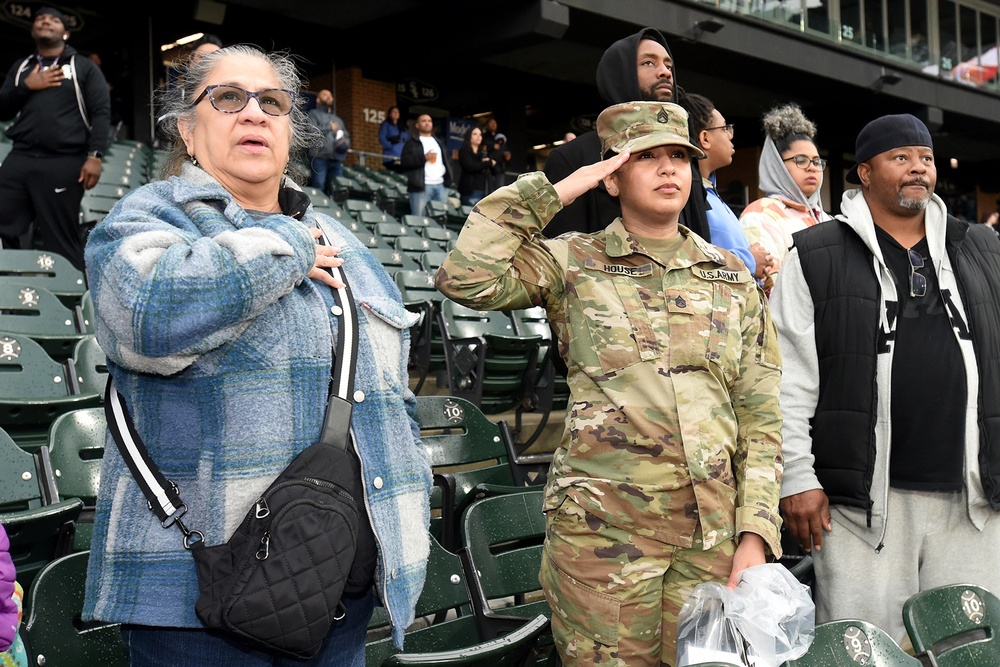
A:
x: 96, y: 154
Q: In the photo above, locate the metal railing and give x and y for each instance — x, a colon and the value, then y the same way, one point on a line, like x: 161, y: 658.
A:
x: 364, y: 155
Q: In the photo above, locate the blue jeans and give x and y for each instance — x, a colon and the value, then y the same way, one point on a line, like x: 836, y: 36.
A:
x: 323, y: 171
x: 418, y: 200
x: 472, y: 198
x: 152, y: 647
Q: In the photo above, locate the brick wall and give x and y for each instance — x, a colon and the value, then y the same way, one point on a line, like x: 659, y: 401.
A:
x: 362, y: 104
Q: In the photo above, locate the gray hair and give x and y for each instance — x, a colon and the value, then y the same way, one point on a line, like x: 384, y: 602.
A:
x: 787, y: 124
x: 175, y: 103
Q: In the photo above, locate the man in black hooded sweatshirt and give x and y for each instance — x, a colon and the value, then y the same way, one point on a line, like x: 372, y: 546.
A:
x: 637, y: 67
x: 61, y: 108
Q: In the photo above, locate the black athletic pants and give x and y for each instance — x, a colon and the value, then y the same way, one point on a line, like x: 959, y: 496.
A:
x: 46, y: 191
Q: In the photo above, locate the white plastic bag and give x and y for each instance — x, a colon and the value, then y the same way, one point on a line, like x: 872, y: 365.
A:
x: 768, y: 619
x: 704, y: 634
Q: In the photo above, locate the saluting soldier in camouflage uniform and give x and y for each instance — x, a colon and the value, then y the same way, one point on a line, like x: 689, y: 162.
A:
x: 669, y: 467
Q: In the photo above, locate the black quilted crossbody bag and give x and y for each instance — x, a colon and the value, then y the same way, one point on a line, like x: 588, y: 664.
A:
x: 277, y: 583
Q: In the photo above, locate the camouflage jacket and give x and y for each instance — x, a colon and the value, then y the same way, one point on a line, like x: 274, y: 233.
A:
x: 674, y: 370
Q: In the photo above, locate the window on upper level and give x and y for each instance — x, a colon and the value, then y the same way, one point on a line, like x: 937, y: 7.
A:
x: 953, y: 40
x: 875, y: 37
x: 818, y: 17
x: 919, y: 44
x: 947, y: 38
x: 988, y: 41
x: 851, y: 29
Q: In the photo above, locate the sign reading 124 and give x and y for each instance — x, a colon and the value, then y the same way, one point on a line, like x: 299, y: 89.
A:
x: 23, y: 13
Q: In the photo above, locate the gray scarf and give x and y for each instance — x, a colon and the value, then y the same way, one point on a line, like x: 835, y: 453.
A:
x: 776, y: 181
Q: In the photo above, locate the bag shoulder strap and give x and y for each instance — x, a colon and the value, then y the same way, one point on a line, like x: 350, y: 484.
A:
x: 162, y: 495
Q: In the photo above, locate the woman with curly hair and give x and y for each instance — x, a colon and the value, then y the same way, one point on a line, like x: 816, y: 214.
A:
x: 791, y: 175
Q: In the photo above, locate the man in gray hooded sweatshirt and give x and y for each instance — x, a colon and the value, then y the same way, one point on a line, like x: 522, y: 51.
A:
x: 637, y: 67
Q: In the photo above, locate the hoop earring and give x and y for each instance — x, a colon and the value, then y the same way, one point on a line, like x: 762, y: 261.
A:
x: 194, y: 161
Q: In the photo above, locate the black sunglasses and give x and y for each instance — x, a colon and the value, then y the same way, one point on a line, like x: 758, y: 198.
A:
x: 918, y: 281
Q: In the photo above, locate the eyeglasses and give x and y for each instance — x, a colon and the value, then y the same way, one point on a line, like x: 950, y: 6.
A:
x: 728, y: 127
x: 233, y: 99
x: 918, y: 281
x: 802, y: 162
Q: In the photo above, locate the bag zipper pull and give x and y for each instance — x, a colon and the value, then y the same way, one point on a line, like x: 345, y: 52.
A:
x: 262, y: 509
x: 265, y: 542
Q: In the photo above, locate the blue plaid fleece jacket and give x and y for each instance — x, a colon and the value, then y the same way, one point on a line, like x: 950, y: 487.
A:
x: 221, y: 348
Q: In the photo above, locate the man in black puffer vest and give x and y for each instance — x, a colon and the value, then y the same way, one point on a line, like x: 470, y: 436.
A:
x: 889, y: 323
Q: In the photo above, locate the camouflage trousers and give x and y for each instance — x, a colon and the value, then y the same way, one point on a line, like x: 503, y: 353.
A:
x: 615, y: 595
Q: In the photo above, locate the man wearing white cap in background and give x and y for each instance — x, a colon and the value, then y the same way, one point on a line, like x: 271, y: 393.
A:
x: 889, y: 323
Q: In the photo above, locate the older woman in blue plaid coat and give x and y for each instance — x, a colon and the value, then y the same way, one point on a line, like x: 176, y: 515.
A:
x: 214, y: 307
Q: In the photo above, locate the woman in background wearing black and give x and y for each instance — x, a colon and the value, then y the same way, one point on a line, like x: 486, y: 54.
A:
x: 476, y: 164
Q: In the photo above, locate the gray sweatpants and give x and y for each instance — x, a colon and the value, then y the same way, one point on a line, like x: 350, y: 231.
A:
x: 929, y: 542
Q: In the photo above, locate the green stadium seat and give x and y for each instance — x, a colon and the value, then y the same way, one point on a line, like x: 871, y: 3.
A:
x: 486, y: 359
x: 432, y: 259
x: 76, y: 450
x: 44, y: 269
x: 502, y: 538
x: 354, y: 206
x: 35, y: 389
x: 36, y: 312
x: 955, y: 625
x: 38, y: 523
x: 853, y: 642
x: 421, y: 297
x: 393, y: 260
x: 470, y: 457
x: 451, y: 634
x: 54, y: 633
x: 548, y: 389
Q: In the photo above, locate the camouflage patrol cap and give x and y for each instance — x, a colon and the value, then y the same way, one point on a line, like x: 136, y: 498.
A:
x: 636, y: 126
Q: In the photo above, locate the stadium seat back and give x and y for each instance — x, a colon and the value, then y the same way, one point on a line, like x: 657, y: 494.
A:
x: 54, y: 633
x: 486, y: 359
x: 421, y: 297
x: 512, y: 649
x: 445, y: 590
x: 469, y: 457
x: 76, y: 449
x: 853, y: 642
x: 43, y: 268
x: 35, y: 389
x: 503, y: 535
x: 955, y: 625
x: 38, y: 524
x: 91, y: 366
x: 394, y: 260
x: 548, y: 389
x: 36, y: 312
x: 432, y: 260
